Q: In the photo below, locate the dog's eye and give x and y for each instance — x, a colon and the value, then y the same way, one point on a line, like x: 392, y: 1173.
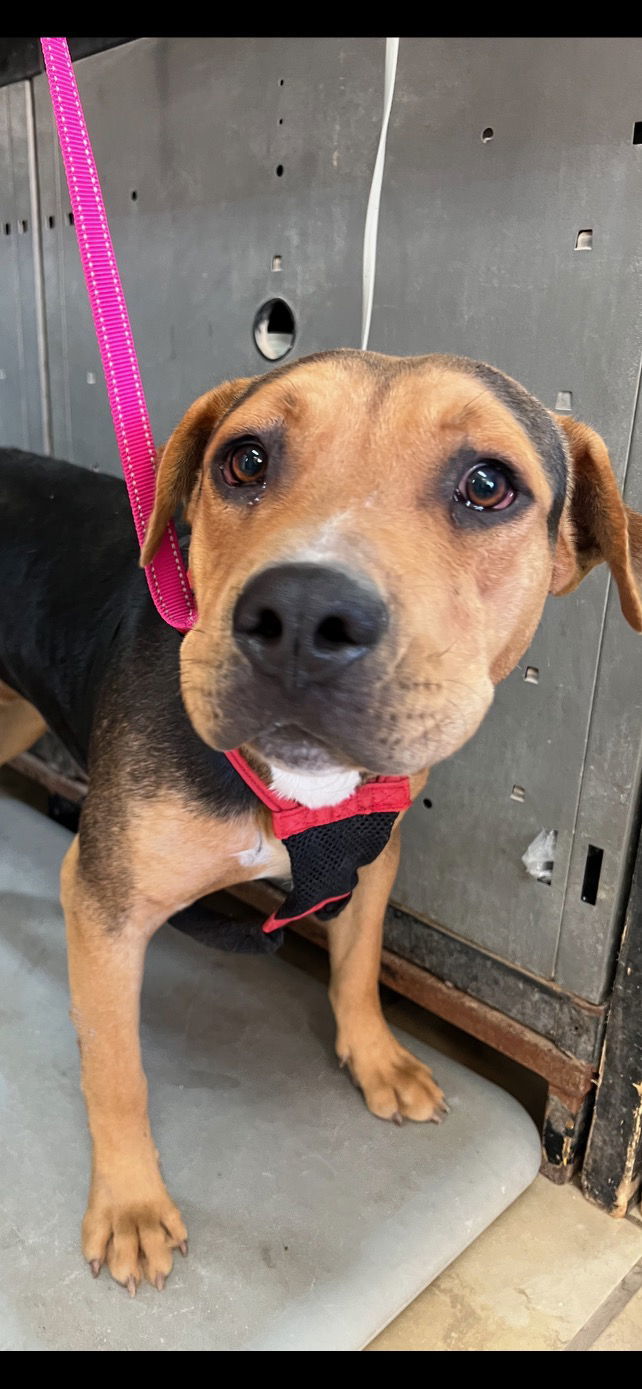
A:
x: 486, y: 487
x: 246, y: 465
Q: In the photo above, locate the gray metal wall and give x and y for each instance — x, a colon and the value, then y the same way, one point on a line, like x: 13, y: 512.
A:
x: 476, y: 256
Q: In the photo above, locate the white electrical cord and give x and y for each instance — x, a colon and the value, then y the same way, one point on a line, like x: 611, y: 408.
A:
x: 372, y: 214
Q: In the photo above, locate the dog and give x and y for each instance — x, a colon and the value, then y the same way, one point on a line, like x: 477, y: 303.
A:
x: 371, y: 543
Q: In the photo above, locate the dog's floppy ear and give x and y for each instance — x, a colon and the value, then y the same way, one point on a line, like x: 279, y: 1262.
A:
x: 180, y: 460
x: 596, y: 525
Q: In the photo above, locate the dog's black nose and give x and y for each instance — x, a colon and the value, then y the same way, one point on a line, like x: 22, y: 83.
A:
x: 304, y: 623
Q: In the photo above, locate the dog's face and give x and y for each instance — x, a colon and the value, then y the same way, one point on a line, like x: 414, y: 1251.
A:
x: 373, y: 541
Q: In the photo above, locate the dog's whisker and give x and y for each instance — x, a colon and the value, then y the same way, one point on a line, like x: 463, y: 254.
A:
x: 469, y: 405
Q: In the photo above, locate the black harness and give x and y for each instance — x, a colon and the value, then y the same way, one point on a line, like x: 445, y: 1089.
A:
x: 327, y: 846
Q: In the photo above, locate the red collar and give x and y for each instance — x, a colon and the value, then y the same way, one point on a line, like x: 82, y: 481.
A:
x: 385, y: 793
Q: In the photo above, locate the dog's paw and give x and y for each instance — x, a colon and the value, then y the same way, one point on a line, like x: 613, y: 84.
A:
x: 395, y: 1084
x: 133, y: 1234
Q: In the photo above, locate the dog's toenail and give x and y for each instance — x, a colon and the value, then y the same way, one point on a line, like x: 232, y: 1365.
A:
x: 183, y: 1248
x: 160, y: 1282
x: 131, y: 1286
x: 397, y: 1119
x: 95, y: 1267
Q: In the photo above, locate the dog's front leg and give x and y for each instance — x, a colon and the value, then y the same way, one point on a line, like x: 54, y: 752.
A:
x: 394, y: 1083
x: 131, y: 1223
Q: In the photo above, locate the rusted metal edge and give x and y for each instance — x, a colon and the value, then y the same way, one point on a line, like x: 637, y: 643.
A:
x: 56, y: 782
x: 573, y: 1025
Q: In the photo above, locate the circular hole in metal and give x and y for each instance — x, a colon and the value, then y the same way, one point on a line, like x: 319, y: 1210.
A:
x: 427, y: 803
x: 279, y: 171
x: 134, y: 195
x: 488, y: 134
x: 274, y: 329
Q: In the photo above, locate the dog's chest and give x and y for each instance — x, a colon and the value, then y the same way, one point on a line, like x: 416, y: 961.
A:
x: 183, y: 854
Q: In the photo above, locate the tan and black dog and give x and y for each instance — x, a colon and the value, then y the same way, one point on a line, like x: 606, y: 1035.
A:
x: 371, y: 543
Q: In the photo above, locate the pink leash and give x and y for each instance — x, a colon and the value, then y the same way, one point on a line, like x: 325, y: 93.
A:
x: 166, y: 575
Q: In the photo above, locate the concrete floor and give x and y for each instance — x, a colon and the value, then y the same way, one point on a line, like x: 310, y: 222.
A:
x: 552, y: 1273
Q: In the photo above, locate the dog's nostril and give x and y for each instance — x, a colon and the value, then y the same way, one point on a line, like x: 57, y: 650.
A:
x: 333, y: 632
x: 267, y: 625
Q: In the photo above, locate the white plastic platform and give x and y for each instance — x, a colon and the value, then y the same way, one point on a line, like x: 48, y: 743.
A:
x: 311, y: 1223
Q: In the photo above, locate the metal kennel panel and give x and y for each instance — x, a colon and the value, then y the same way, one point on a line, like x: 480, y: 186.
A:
x: 20, y: 376
x: 510, y: 232
x: 234, y: 171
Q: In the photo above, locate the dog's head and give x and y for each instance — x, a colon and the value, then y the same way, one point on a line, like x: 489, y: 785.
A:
x: 373, y: 540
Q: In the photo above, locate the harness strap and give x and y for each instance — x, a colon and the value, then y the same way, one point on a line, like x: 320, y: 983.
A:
x: 384, y: 794
x: 166, y: 574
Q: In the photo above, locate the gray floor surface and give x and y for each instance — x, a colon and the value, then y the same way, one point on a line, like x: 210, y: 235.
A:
x: 311, y: 1223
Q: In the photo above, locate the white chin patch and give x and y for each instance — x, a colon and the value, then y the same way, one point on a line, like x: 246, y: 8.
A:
x: 314, y: 789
